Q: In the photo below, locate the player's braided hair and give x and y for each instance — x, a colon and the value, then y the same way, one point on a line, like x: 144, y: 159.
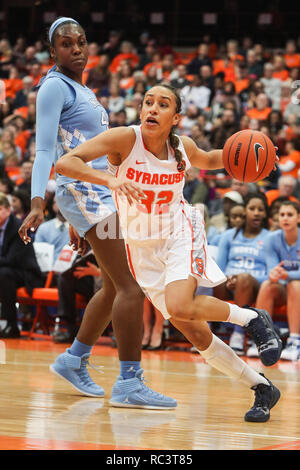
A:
x: 174, y: 140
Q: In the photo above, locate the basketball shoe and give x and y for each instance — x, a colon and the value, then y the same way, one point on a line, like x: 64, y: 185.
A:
x: 291, y: 351
x: 133, y: 393
x: 74, y: 370
x: 261, y: 330
x: 266, y: 396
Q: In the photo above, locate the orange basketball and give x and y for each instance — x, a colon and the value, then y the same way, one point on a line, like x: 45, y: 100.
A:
x: 249, y: 156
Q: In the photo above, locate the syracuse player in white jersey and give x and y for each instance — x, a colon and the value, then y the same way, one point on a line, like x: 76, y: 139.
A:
x: 165, y: 239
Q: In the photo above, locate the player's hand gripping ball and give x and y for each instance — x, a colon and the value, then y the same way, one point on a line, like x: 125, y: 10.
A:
x: 249, y: 156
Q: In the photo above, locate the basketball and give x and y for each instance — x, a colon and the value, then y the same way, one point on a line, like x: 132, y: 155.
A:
x: 249, y: 156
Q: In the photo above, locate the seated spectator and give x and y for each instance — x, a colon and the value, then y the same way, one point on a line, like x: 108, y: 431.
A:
x: 35, y: 73
x: 98, y: 77
x: 283, y: 285
x: 18, y: 267
x: 9, y: 155
x: 6, y: 57
x: 220, y: 219
x: 13, y: 84
x: 84, y: 280
x: 286, y: 188
x: 194, y: 191
x: 262, y: 109
x: 25, y: 176
x: 127, y: 52
x: 198, y: 135
x: 125, y: 76
x: 280, y: 70
x: 41, y: 53
x: 93, y: 55
x: 202, y: 58
x: 228, y: 126
x: 241, y: 258
x: 254, y: 65
x: 138, y: 87
x: 30, y: 151
x: 132, y: 109
x: 20, y: 203
x: 290, y: 163
x: 21, y: 131
x: 272, y: 85
x: 291, y: 56
x: 188, y: 120
x: 206, y: 74
x: 274, y: 214
x: 54, y: 231
x: 232, y: 51
x: 236, y: 219
x: 181, y: 80
x: 195, y: 93
x: 7, y: 187
x: 274, y: 123
x: 285, y: 96
x: 112, y: 46
x: 151, y: 76
x: 241, y: 81
x: 116, y: 101
x: 23, y: 110
x: 230, y: 96
x: 147, y: 57
x: 9, y: 135
x: 21, y: 96
x: 48, y: 198
x: 242, y: 187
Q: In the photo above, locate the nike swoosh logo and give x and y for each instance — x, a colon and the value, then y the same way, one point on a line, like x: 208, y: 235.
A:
x: 139, y: 163
x: 257, y: 146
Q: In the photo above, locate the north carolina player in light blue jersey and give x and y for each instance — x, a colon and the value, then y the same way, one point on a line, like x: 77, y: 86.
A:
x: 68, y: 114
x: 74, y: 116
x: 283, y: 284
x: 241, y: 255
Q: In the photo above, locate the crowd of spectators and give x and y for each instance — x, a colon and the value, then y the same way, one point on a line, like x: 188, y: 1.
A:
x: 239, y: 84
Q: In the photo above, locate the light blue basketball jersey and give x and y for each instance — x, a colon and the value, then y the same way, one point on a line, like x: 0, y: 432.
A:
x: 68, y: 114
x: 277, y: 250
x: 238, y: 254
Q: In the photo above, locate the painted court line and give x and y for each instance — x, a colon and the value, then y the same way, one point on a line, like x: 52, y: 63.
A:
x: 24, y: 443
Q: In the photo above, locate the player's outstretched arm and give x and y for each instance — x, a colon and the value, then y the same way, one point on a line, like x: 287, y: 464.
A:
x: 211, y: 160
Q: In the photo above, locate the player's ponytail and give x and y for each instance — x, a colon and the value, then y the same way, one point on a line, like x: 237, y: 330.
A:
x: 174, y: 140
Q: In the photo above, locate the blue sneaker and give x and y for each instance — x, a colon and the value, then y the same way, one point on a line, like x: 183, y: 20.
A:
x: 263, y: 333
x: 74, y: 370
x: 133, y: 393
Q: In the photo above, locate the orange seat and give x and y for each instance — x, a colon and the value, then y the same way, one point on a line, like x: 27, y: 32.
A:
x: 41, y: 298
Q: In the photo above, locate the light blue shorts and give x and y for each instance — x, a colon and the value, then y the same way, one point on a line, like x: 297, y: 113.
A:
x: 84, y: 204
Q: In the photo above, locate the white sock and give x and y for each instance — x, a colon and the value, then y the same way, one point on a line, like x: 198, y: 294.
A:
x: 240, y: 316
x: 295, y: 337
x: 220, y: 356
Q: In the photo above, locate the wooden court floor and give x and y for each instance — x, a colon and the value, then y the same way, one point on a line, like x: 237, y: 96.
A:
x: 39, y: 411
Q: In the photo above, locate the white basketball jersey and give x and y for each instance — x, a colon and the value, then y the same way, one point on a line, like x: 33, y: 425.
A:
x: 159, y: 215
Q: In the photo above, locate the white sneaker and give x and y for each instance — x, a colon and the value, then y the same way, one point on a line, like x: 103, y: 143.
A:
x: 292, y: 351
x: 236, y: 343
x: 252, y: 351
